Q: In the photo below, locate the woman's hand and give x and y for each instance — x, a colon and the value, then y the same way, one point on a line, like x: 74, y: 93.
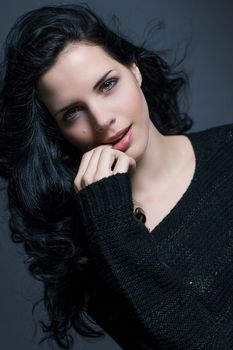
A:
x: 101, y: 162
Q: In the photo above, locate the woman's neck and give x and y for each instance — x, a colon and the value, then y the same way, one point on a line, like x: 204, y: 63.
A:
x: 162, y: 161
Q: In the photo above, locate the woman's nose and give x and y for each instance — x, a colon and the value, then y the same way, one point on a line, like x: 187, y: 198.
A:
x: 102, y: 119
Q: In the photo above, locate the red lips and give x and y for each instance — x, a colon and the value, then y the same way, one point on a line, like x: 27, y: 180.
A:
x: 117, y: 135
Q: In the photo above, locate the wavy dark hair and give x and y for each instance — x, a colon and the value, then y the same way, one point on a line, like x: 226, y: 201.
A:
x: 40, y: 165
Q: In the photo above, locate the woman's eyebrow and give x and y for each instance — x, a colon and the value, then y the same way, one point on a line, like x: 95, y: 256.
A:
x: 94, y: 88
x: 101, y: 79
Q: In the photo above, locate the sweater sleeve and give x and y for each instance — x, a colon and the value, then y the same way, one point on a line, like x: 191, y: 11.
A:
x: 125, y: 257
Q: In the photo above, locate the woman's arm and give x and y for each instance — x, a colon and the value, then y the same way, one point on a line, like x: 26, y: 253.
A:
x: 124, y: 256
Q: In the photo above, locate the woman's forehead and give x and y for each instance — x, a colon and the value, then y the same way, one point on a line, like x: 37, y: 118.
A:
x: 75, y: 74
x: 83, y: 62
x: 84, y: 54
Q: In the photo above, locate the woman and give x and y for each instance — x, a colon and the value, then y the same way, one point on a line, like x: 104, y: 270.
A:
x: 125, y: 219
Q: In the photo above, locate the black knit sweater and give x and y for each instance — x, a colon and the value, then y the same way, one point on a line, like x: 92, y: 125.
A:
x: 171, y: 288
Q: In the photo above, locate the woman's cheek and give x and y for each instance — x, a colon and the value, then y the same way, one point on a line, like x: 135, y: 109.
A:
x: 79, y: 138
x: 136, y: 104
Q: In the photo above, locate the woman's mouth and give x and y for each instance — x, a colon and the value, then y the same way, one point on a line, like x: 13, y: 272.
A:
x: 124, y: 142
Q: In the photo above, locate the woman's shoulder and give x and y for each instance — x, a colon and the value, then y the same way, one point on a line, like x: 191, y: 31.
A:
x: 213, y: 137
x: 213, y: 145
x: 215, y: 131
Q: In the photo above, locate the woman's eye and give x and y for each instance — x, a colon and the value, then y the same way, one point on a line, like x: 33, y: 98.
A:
x: 68, y: 116
x: 109, y: 84
x: 72, y: 113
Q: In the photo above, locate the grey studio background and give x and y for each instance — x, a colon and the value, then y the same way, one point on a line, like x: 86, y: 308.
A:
x: 208, y: 26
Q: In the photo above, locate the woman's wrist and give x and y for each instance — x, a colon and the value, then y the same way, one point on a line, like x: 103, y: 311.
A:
x: 106, y: 195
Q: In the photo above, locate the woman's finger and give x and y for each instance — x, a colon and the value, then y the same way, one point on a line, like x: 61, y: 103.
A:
x: 87, y: 160
x: 82, y: 168
x: 89, y: 175
x: 101, y: 162
x: 124, y: 164
x: 105, y: 163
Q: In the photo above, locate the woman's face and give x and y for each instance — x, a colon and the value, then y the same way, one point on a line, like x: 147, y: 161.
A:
x: 88, y: 113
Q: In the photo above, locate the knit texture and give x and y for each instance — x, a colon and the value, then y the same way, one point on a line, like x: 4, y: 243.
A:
x: 171, y: 288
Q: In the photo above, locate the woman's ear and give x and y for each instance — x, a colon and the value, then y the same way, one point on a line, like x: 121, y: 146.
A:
x: 136, y: 72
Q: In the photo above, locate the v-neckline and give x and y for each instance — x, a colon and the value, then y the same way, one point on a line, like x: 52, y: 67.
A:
x: 184, y: 203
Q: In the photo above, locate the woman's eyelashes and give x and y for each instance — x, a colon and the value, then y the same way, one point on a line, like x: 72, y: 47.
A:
x: 105, y: 87
x: 68, y: 116
x: 112, y: 83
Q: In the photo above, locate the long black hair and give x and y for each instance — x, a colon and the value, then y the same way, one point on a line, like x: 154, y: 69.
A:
x: 40, y: 165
